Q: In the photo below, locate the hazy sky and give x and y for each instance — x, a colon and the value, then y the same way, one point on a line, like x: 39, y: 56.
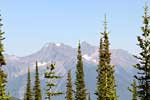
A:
x: 29, y: 24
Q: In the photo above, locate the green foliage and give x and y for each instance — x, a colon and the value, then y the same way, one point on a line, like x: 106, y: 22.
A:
x: 106, y: 88
x: 28, y: 94
x: 143, y: 77
x: 3, y: 94
x: 51, y: 77
x: 133, y: 90
x: 69, y: 92
x: 37, y: 87
x: 3, y: 75
x: 80, y: 84
x: 89, y: 97
x: 2, y: 60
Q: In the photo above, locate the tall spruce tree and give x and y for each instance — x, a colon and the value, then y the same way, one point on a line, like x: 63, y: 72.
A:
x: 80, y: 93
x: 37, y: 86
x: 143, y: 77
x: 133, y: 90
x: 51, y: 77
x: 101, y: 78
x: 28, y: 94
x: 3, y: 75
x: 109, y: 68
x: 69, y: 92
x: 106, y: 87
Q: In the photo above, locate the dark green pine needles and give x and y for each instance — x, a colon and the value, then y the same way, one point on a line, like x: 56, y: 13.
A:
x: 143, y: 66
x: 3, y: 75
x: 69, y: 92
x: 2, y: 60
x: 51, y: 78
x: 106, y: 87
x: 133, y: 90
x: 37, y: 87
x: 28, y: 94
x: 80, y: 93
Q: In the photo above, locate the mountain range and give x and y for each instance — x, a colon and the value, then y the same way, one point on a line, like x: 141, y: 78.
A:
x: 65, y: 58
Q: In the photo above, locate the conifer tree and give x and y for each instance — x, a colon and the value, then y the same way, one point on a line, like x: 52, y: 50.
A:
x: 101, y: 78
x: 143, y: 77
x: 69, y: 92
x: 133, y: 90
x: 28, y: 94
x: 80, y: 93
x: 3, y: 75
x: 51, y: 77
x: 106, y: 87
x: 2, y: 60
x: 110, y: 77
x: 89, y: 97
x: 37, y: 86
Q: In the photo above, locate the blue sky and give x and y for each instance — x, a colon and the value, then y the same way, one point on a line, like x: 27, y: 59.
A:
x: 29, y: 24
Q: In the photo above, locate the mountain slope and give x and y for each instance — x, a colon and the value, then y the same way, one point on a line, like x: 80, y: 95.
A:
x: 65, y: 58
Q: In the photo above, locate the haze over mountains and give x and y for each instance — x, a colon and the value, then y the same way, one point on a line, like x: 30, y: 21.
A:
x: 65, y: 58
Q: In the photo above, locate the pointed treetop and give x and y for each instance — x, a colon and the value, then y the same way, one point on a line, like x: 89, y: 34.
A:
x: 69, y: 71
x: 105, y: 23
x: 28, y: 69
x: 0, y: 16
x: 1, y: 23
x: 145, y: 8
x: 146, y: 18
x: 36, y: 64
x: 79, y: 44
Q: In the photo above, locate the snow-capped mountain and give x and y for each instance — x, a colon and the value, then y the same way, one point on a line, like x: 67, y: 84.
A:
x: 65, y: 58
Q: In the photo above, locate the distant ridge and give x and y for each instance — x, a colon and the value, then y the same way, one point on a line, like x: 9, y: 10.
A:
x: 65, y: 58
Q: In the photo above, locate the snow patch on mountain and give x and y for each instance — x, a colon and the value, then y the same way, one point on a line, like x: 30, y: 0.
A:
x: 42, y: 63
x: 58, y: 44
x: 89, y: 58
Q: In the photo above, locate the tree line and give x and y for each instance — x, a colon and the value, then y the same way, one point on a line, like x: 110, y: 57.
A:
x: 106, y: 82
